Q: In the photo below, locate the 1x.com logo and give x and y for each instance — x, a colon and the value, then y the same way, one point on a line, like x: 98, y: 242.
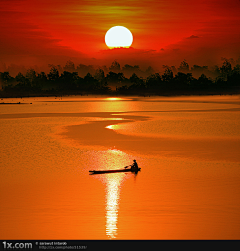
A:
x: 17, y: 245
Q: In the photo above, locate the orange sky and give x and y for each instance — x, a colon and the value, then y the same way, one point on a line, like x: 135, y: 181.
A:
x: 37, y: 32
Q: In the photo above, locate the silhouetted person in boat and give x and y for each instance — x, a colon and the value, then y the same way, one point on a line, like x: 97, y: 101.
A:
x: 134, y: 166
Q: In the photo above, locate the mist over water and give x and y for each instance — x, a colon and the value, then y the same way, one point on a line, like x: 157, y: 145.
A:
x: 187, y: 149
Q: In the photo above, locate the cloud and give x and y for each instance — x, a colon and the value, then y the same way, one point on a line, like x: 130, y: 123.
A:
x: 192, y: 37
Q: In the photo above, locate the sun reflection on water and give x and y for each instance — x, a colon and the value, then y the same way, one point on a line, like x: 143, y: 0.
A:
x: 113, y: 99
x: 111, y: 127
x: 112, y: 204
x: 112, y: 159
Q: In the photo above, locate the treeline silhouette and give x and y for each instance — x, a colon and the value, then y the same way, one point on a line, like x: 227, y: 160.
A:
x: 128, y: 80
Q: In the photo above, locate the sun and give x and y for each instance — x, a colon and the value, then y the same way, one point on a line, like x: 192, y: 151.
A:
x: 118, y: 36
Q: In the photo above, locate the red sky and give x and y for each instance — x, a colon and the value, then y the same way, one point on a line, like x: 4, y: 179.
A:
x: 38, y: 32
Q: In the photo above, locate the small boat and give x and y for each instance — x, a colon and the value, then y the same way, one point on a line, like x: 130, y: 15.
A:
x: 113, y: 171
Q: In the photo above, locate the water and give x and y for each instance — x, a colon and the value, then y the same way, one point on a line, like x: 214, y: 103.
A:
x: 187, y: 147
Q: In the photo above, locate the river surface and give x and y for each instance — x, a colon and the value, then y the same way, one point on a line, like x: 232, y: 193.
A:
x: 188, y: 149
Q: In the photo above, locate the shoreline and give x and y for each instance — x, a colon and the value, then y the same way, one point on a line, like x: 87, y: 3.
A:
x: 115, y: 94
x: 30, y: 100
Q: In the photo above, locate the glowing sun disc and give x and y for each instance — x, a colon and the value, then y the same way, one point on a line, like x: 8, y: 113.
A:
x: 118, y: 36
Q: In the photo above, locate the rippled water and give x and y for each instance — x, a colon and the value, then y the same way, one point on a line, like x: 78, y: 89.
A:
x: 187, y: 148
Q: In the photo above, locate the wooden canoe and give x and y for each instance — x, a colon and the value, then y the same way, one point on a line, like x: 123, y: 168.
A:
x: 113, y: 171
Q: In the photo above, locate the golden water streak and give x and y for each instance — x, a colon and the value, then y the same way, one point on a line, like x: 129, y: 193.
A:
x: 112, y: 208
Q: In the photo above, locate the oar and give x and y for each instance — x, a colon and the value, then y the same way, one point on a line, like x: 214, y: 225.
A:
x: 126, y: 167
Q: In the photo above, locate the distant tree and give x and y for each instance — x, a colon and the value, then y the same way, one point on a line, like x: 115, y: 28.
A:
x: 134, y: 78
x: 34, y: 80
x: 99, y: 75
x: 170, y: 68
x: 53, y: 74
x: 115, y: 77
x: 42, y: 81
x: 234, y: 77
x: 83, y: 70
x: 42, y: 76
x: 183, y: 81
x: 89, y: 83
x: 69, y: 66
x: 136, y: 67
x: 199, y: 70
x: 184, y: 66
x: 138, y: 83
x: 115, y: 66
x: 225, y: 69
x: 5, y: 78
x: 174, y: 70
x: 22, y: 80
x: 62, y: 80
x: 104, y: 68
x: 123, y: 89
x: 67, y: 80
x: 23, y: 86
x: 167, y: 75
x: 203, y: 82
x: 129, y: 69
x: 102, y: 81
x: 237, y: 68
x: 154, y: 82
x: 216, y: 70
x: 149, y: 71
x: 31, y: 75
